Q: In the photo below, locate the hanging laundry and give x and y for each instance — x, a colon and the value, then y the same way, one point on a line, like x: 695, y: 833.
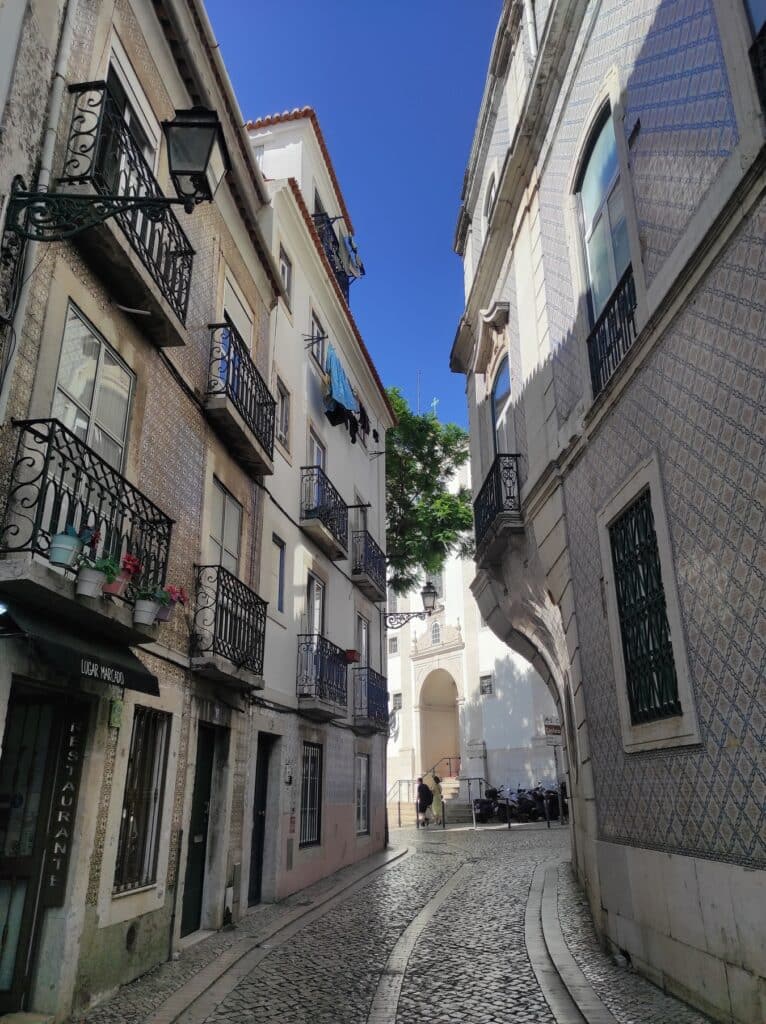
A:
x: 340, y: 388
x: 364, y: 420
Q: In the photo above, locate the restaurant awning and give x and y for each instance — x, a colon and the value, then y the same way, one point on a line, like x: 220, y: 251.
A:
x: 83, y: 656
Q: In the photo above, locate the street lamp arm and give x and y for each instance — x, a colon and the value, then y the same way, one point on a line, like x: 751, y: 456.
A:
x: 395, y: 620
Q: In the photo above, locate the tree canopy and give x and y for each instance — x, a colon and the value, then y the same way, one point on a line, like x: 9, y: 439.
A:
x: 425, y: 520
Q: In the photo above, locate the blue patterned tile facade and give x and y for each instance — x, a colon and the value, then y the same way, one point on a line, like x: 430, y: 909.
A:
x: 700, y: 401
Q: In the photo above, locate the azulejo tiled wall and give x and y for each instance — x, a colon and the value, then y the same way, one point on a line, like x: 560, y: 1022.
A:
x: 699, y: 402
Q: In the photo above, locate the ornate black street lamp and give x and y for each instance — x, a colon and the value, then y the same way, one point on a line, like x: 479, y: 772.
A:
x: 395, y: 620
x: 197, y: 160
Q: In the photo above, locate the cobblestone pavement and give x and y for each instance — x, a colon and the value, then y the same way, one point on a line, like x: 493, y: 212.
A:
x: 631, y: 998
x: 468, y: 963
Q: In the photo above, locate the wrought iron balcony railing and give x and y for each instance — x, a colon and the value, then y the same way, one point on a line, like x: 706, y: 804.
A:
x: 499, y: 495
x: 758, y: 63
x: 58, y: 481
x: 322, y: 670
x: 234, y: 374
x: 368, y: 558
x: 613, y: 333
x: 102, y: 151
x: 371, y: 697
x: 229, y: 619
x: 321, y: 501
x: 331, y: 246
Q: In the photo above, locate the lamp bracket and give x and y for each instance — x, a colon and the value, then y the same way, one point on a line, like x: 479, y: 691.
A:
x: 395, y: 620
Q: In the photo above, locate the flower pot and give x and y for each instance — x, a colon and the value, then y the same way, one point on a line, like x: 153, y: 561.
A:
x: 89, y: 582
x: 145, y: 612
x: 352, y: 656
x: 64, y: 550
x: 166, y: 612
x: 118, y: 586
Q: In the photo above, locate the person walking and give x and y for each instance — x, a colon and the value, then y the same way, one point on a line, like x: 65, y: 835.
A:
x: 437, y: 806
x: 424, y: 800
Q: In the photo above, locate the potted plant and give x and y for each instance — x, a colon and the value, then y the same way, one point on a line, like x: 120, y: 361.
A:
x: 93, y: 574
x: 149, y: 600
x: 352, y: 656
x: 175, y: 595
x: 131, y: 566
x: 65, y: 548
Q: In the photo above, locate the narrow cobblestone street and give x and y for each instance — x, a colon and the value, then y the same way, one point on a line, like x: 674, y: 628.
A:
x: 454, y: 926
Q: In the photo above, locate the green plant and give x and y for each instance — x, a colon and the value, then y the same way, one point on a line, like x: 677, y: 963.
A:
x: 108, y: 565
x: 151, y: 592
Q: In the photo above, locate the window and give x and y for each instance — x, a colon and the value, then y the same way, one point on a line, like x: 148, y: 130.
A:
x: 489, y: 201
x: 362, y: 793
x: 127, y: 99
x: 311, y: 795
x: 650, y: 670
x: 315, y: 605
x: 93, y: 390
x: 279, y: 572
x: 485, y: 685
x: 318, y: 340
x: 501, y: 394
x: 258, y: 152
x: 286, y: 273
x: 237, y: 312
x: 396, y: 703
x: 142, y: 803
x: 225, y: 529
x: 393, y: 645
x: 436, y: 633
x: 317, y: 451
x: 602, y: 213
x: 363, y: 640
x: 391, y: 600
x: 283, y: 415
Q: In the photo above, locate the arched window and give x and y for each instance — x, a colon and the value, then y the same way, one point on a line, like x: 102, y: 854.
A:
x: 602, y: 211
x: 436, y: 633
x: 501, y: 394
x: 489, y: 199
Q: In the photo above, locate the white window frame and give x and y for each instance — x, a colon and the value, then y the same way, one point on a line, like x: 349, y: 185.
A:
x: 393, y: 645
x: 362, y: 793
x: 363, y: 640
x: 283, y: 413
x: 683, y: 729
x: 286, y: 273
x: 228, y: 501
x: 232, y: 291
x: 436, y: 634
x: 318, y: 348
x: 486, y: 679
x: 316, y: 587
x: 139, y: 103
x: 396, y: 701
x: 279, y: 551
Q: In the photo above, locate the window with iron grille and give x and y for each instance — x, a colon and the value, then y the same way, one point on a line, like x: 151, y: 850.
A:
x: 393, y: 645
x: 311, y: 795
x: 142, y: 804
x: 396, y: 703
x: 485, y: 685
x: 362, y: 793
x: 650, y: 670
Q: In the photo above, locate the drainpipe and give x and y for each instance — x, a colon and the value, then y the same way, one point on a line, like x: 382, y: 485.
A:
x: 47, y: 153
x: 529, y: 17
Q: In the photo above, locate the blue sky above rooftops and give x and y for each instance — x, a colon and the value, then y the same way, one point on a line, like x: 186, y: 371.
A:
x: 396, y: 86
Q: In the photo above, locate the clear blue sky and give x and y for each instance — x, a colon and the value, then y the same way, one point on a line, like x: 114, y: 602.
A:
x: 396, y: 85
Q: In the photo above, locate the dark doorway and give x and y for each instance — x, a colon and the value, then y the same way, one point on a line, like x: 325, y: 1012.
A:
x: 265, y: 744
x: 39, y: 780
x: 191, y: 914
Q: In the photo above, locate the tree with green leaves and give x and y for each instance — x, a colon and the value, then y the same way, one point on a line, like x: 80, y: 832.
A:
x: 425, y: 521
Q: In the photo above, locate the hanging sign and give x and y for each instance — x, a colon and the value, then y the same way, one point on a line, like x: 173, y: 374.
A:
x: 553, y: 733
x: 69, y: 757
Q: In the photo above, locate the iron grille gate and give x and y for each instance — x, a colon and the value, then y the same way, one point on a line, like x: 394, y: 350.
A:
x: 650, y: 670
x: 311, y: 795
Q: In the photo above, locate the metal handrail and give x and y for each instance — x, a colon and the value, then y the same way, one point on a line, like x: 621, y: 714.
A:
x: 500, y: 493
x: 320, y: 500
x: 332, y: 249
x: 234, y: 374
x: 371, y: 696
x: 229, y: 619
x: 368, y: 557
x: 613, y: 333
x: 58, y: 481
x: 322, y: 670
x: 102, y: 151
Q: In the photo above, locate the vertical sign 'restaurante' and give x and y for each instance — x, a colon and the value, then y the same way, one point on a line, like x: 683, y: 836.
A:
x: 61, y: 828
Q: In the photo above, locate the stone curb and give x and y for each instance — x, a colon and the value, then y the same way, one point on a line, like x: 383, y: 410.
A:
x: 577, y: 985
x: 184, y: 997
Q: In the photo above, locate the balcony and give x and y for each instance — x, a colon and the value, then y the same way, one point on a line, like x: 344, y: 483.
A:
x: 238, y: 401
x: 324, y: 514
x: 613, y: 333
x: 321, y: 678
x: 368, y: 565
x: 758, y: 63
x: 152, y: 274
x: 497, y: 508
x: 58, y: 481
x: 333, y: 252
x: 370, y: 702
x: 228, y: 630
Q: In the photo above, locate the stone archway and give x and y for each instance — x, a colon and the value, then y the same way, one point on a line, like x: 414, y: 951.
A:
x: 439, y: 719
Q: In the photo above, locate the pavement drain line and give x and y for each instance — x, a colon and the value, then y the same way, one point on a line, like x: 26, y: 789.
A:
x: 386, y: 1000
x: 578, y: 986
x: 201, y: 994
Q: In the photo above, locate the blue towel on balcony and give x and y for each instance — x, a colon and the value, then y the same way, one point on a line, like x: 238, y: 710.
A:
x: 340, y: 389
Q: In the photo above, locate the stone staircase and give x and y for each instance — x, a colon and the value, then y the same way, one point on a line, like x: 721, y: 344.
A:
x: 457, y: 810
